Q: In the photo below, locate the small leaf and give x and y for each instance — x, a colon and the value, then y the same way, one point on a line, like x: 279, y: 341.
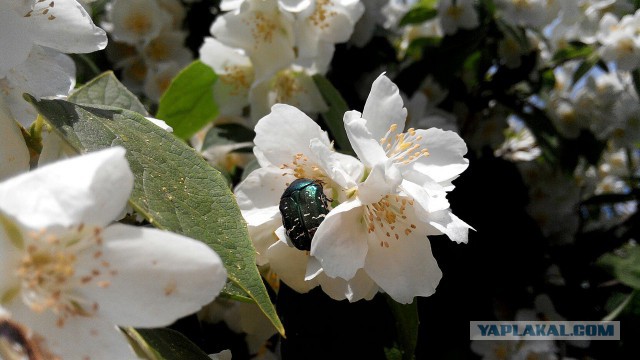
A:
x: 106, y: 89
x: 174, y: 188
x: 188, y: 104
x: 407, y: 322
x: 624, y: 264
x: 420, y: 12
x: 584, y: 67
x: 164, y: 344
x: 333, y: 117
x: 571, y: 52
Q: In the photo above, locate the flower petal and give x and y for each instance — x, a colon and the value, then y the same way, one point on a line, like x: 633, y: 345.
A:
x: 159, y: 276
x: 91, y: 188
x: 345, y: 170
x: 446, y: 155
x: 290, y: 264
x: 285, y: 132
x: 365, y: 145
x: 258, y: 195
x: 405, y: 269
x: 79, y: 337
x: 14, y: 42
x: 384, y: 107
x: 340, y: 241
x: 450, y: 225
x: 67, y: 27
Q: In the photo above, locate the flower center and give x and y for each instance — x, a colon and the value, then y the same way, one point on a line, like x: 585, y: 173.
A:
x: 237, y: 77
x: 286, y: 86
x: 138, y: 23
x: 403, y: 148
x: 388, y: 219
x: 304, y: 169
x: 49, y: 271
x: 262, y: 28
x: 321, y: 14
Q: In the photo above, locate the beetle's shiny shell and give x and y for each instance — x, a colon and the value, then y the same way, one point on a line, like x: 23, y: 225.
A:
x: 303, y: 207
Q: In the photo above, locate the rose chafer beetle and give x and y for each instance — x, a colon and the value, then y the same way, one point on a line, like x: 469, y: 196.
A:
x: 303, y: 207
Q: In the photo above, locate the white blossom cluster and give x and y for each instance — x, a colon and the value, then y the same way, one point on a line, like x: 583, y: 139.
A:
x: 148, y: 43
x: 265, y: 52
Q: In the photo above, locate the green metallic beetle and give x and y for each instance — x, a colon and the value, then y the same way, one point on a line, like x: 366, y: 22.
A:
x: 303, y: 207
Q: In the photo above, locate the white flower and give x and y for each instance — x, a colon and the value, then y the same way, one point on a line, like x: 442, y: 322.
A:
x: 70, y: 273
x: 459, y: 15
x: 293, y: 86
x: 289, y: 145
x: 619, y: 40
x: 32, y: 37
x: 262, y: 30
x: 45, y: 73
x: 382, y: 227
x: 235, y: 75
x: 136, y: 21
x: 325, y: 21
x: 62, y: 25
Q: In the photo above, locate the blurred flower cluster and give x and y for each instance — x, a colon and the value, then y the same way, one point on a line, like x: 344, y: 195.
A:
x: 287, y: 179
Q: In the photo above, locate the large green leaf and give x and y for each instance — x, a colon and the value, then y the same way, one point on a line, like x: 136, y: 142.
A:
x: 164, y: 344
x: 105, y: 89
x: 174, y: 189
x: 188, y: 104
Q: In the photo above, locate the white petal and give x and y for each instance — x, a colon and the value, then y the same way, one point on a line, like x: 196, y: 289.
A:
x: 91, y: 188
x: 290, y: 264
x: 14, y: 42
x: 446, y: 155
x: 14, y: 154
x: 295, y: 5
x: 384, y: 179
x: 45, y: 73
x: 345, y: 170
x: 285, y: 132
x: 361, y: 286
x: 340, y: 241
x: 66, y: 27
x: 258, y: 195
x: 405, y: 269
x: 78, y: 338
x: 430, y: 198
x: 161, y: 276
x: 449, y: 224
x: 364, y: 143
x: 221, y: 57
x: 384, y: 107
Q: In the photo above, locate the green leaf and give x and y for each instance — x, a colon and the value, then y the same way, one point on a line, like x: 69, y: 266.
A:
x: 164, y: 344
x: 584, y: 67
x: 188, y: 104
x: 333, y: 117
x: 174, y: 189
x: 420, y: 12
x: 624, y: 264
x: 106, y: 89
x: 571, y: 52
x: 232, y: 291
x: 407, y: 322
